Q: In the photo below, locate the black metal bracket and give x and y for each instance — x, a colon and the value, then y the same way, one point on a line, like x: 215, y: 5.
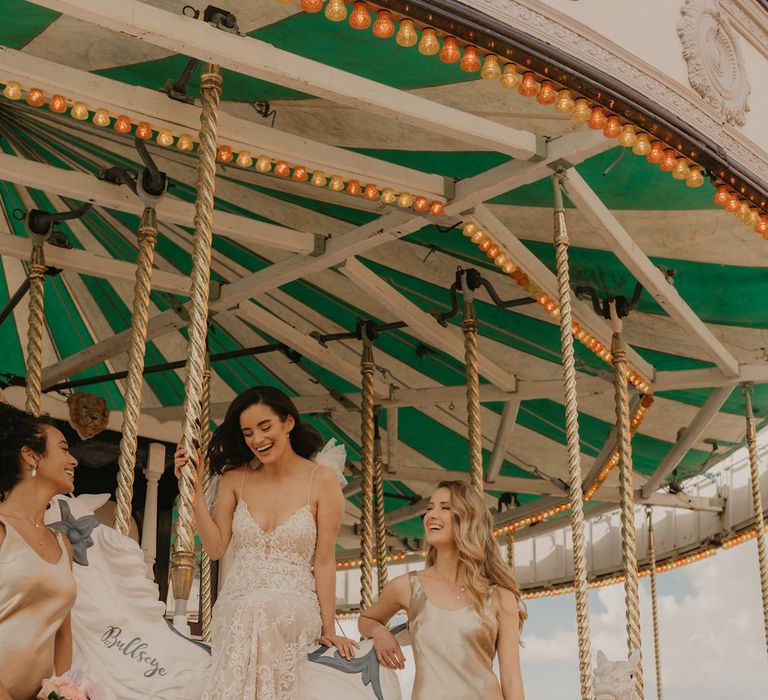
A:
x: 264, y: 110
x: 177, y: 89
x: 602, y: 307
x: 40, y: 222
x: 221, y: 19
x: 150, y: 185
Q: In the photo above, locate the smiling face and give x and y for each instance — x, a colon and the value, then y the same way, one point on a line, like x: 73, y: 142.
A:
x: 265, y: 433
x: 438, y: 520
x: 57, y: 465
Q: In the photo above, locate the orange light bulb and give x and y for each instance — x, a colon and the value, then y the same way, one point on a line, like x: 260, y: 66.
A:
x: 450, y: 52
x: 528, y: 85
x: 628, y: 136
x: 642, y: 145
x: 79, y: 111
x: 58, y: 104
x: 144, y: 132
x: 35, y: 97
x: 282, y: 169
x: 733, y: 204
x: 656, y: 154
x: 762, y: 227
x: 510, y: 78
x: 371, y: 192
x: 224, y: 154
x: 429, y: 45
x: 436, y: 208
x: 612, y: 128
x: 597, y: 119
x: 469, y: 228
x: 564, y: 102
x: 581, y: 111
x: 360, y: 17
x: 300, y: 174
x: 184, y: 143
x: 420, y: 204
x: 311, y: 5
x: 263, y: 164
x: 407, y: 35
x: 547, y: 94
x: 491, y: 69
x: 318, y: 178
x: 336, y: 10
x: 354, y: 188
x: 722, y: 195
x: 383, y: 27
x: 122, y: 124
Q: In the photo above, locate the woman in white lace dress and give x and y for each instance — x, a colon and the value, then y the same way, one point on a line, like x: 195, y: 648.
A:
x: 282, y: 512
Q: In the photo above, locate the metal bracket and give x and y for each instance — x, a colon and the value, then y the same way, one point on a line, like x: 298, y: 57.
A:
x: 320, y: 246
x: 39, y: 223
x: 560, y: 165
x: 541, y: 149
x: 221, y: 19
x: 449, y: 188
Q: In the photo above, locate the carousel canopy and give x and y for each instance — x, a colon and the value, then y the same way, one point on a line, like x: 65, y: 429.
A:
x: 324, y: 130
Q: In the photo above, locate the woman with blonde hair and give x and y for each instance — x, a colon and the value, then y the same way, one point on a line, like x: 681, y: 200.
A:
x: 463, y: 608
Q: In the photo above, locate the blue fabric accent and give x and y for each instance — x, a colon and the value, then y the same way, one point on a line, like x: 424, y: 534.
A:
x: 77, y: 531
x: 368, y: 665
x: 202, y: 645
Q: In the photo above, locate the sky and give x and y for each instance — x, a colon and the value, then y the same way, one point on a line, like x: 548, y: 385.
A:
x: 712, y: 644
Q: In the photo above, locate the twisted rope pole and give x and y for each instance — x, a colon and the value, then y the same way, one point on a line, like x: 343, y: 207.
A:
x: 511, y: 549
x: 757, y: 504
x: 572, y: 433
x: 183, y: 557
x: 474, y: 431
x: 626, y: 497
x: 36, y: 276
x: 367, y: 368
x: 206, y: 593
x: 147, y: 239
x: 381, y: 525
x: 654, y: 602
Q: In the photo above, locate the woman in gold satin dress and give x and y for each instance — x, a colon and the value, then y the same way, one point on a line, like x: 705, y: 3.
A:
x: 463, y: 608
x: 37, y: 588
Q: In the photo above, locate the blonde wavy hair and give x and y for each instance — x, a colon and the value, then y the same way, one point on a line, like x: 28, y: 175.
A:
x: 480, y: 562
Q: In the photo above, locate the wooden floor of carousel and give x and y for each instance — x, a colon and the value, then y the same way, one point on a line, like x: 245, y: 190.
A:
x: 123, y: 641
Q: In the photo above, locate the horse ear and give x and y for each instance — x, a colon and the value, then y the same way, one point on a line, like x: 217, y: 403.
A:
x: 601, y: 659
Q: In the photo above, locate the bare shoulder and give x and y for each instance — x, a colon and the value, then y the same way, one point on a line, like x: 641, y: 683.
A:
x: 326, y: 479
x: 506, y: 601
x: 401, y: 584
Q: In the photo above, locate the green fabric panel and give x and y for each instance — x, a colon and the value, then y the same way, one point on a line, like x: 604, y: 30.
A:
x: 548, y: 418
x: 10, y: 345
x: 722, y: 294
x: 23, y: 22
x: 735, y: 403
x: 666, y: 362
x: 632, y: 183
x: 455, y: 164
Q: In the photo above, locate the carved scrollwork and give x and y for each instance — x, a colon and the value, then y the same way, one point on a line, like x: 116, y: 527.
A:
x: 715, y: 64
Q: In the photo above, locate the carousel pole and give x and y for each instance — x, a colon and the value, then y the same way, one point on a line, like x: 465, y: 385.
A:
x: 654, y: 602
x: 367, y: 368
x: 626, y: 495
x: 474, y: 432
x: 381, y: 526
x: 572, y: 432
x: 36, y: 276
x: 183, y: 557
x: 511, y: 549
x: 206, y: 598
x: 147, y: 239
x: 757, y: 503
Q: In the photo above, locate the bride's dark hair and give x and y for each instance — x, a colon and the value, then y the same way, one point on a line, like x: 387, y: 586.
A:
x: 228, y: 449
x: 18, y: 429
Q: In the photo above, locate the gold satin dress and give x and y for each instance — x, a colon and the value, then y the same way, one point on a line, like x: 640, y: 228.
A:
x: 35, y: 597
x: 453, y: 649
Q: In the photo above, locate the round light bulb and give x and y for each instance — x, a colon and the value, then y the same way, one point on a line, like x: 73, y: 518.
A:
x: 336, y: 10
x: 642, y: 145
x: 612, y: 128
x: 224, y: 154
x: 628, y: 136
x: 336, y: 183
x: 564, y: 102
x: 383, y: 27
x: 282, y: 169
x: 581, y: 111
x: 436, y: 208
x: 263, y: 164
x: 311, y: 5
x: 450, y: 52
x: 733, y: 204
x: 144, y: 131
x: 477, y: 237
x: 360, y: 17
x: 547, y: 93
x: 244, y: 159
x: 354, y: 188
x: 695, y: 179
x: 12, y: 90
x: 682, y: 170
x: 528, y: 85
x: 429, y: 45
x: 388, y: 195
x: 762, y: 226
x: 300, y: 173
x: 510, y: 78
x: 491, y: 69
x: 597, y: 119
x: 407, y: 35
x: 405, y: 200
x: 185, y: 143
x: 420, y: 204
x: 164, y: 138
x: 79, y: 111
x: 752, y: 218
x: 58, y: 104
x: 469, y: 228
x: 101, y: 117
x: 722, y: 195
x: 371, y: 192
x: 656, y: 154
x: 35, y: 97
x: 318, y: 178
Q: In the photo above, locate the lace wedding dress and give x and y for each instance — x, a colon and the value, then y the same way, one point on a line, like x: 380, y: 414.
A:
x: 267, y: 614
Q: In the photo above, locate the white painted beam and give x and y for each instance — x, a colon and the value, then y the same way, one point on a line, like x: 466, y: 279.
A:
x: 156, y: 108
x: 420, y: 323
x: 688, y: 439
x: 582, y: 312
x: 503, y: 439
x: 306, y: 345
x: 516, y: 484
x: 87, y: 188
x: 711, y: 377
x: 260, y: 60
x: 652, y: 279
x: 88, y: 263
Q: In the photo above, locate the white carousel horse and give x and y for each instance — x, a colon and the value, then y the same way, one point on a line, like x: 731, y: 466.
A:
x: 615, y: 680
x: 123, y: 642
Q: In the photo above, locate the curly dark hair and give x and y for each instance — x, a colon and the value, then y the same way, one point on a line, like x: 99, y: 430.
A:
x: 228, y: 449
x: 18, y: 429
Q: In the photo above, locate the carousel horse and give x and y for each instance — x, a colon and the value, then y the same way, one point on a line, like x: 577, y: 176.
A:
x: 123, y: 642
x: 615, y: 680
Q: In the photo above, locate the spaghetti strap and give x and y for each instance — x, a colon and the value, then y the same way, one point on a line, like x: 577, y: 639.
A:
x: 242, y: 483
x: 309, y: 490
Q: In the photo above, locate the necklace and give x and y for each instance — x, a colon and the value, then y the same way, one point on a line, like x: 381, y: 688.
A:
x: 37, y: 525
x: 462, y: 589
